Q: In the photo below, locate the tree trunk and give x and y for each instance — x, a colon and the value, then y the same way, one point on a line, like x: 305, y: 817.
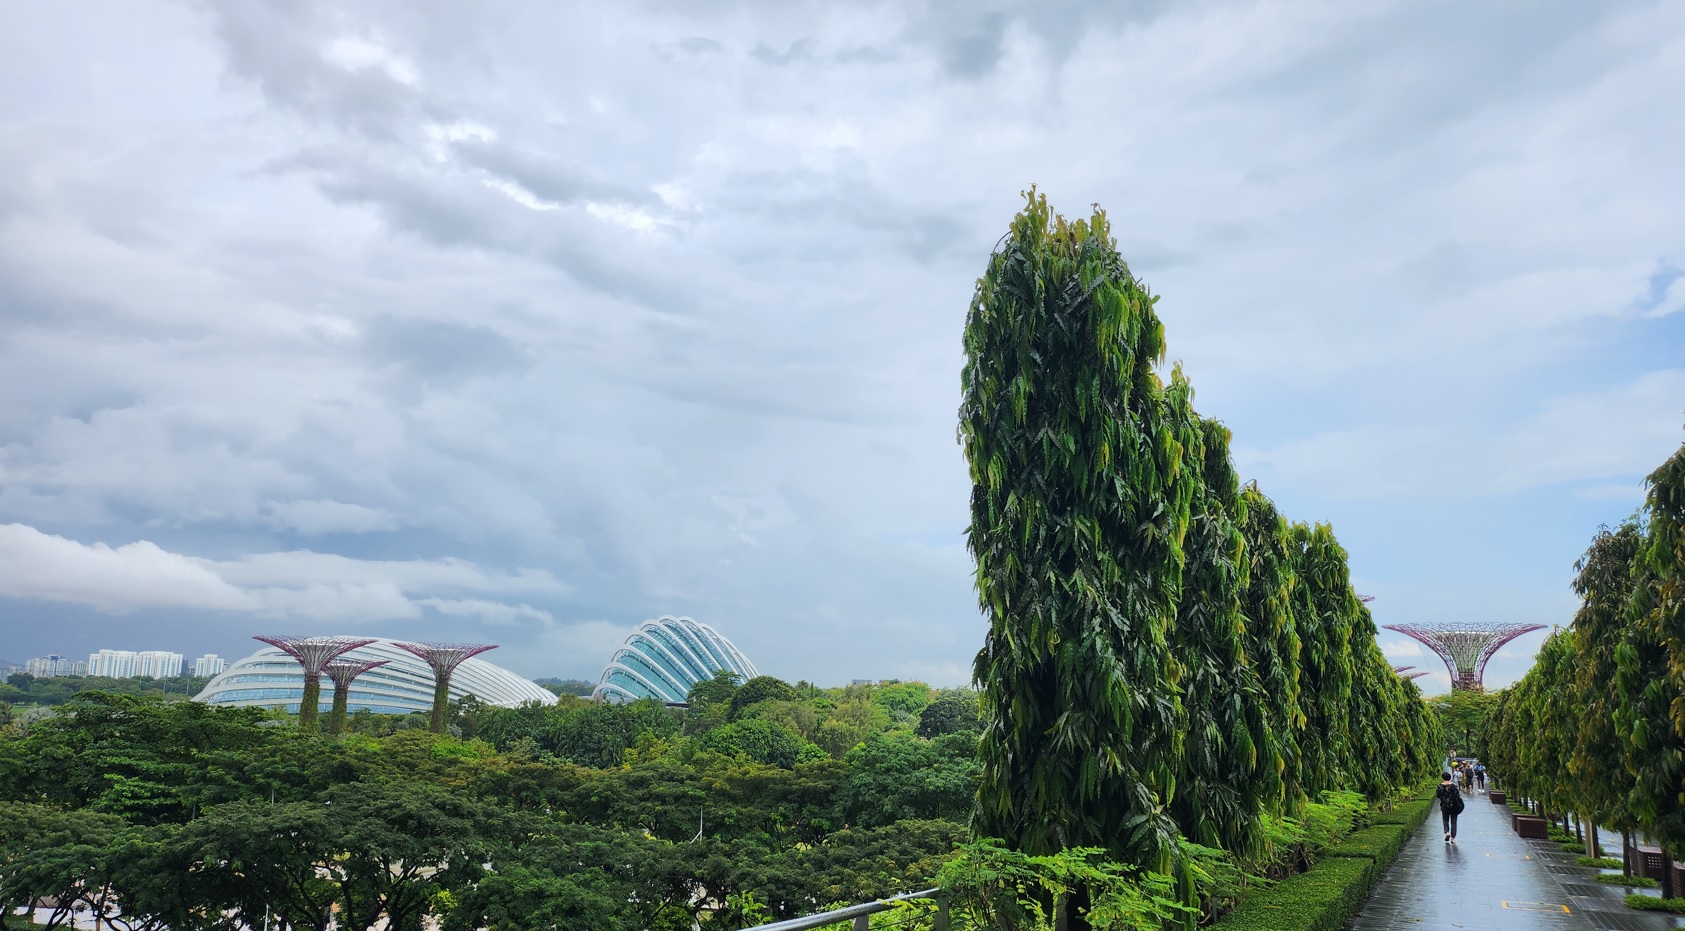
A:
x: 1626, y: 852
x: 1668, y: 891
x: 1592, y: 849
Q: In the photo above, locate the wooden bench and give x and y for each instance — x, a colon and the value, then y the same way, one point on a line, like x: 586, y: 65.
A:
x: 1498, y: 798
x: 1530, y: 826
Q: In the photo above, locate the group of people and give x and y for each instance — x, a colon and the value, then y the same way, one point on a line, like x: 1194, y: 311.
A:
x: 1461, y: 777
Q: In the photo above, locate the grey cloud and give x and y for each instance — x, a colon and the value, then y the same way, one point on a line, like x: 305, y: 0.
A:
x: 441, y: 353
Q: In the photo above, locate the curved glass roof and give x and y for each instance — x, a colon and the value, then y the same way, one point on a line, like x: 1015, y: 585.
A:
x: 665, y: 657
x: 270, y: 678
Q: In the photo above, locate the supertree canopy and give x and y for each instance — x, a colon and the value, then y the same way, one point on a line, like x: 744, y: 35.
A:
x: 341, y: 672
x: 1465, y: 647
x: 444, y: 658
x: 313, y: 653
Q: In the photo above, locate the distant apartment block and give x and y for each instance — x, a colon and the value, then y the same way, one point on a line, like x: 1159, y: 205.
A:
x: 209, y: 665
x: 46, y: 667
x: 125, y: 664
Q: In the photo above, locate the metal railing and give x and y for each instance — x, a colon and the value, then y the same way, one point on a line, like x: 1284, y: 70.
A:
x: 861, y: 914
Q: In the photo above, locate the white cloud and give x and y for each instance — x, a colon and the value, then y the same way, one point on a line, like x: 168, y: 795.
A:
x: 492, y: 612
x: 1395, y: 648
x: 300, y: 585
x: 37, y: 565
x: 354, y: 54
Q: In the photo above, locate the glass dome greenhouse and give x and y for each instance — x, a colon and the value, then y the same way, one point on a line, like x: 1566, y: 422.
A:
x: 665, y: 657
x: 270, y: 678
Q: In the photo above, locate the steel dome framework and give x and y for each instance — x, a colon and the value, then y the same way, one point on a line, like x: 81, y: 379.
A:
x: 664, y: 657
x: 1465, y: 647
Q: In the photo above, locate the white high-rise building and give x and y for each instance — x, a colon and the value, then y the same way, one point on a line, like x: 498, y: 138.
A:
x: 127, y: 664
x: 209, y: 665
x: 46, y: 667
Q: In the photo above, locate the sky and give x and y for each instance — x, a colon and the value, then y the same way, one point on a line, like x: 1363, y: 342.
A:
x: 522, y: 322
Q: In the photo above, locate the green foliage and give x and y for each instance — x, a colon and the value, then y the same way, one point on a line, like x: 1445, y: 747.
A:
x: 1078, y: 507
x: 761, y: 741
x: 21, y: 688
x: 757, y: 690
x: 1323, y: 899
x: 1464, y: 717
x: 1606, y: 863
x: 1272, y: 644
x: 991, y: 887
x: 1380, y: 843
x: 953, y: 711
x: 896, y: 777
x: 1597, y: 726
x: 1650, y: 903
x: 1631, y: 882
x: 904, y: 701
x: 578, y: 731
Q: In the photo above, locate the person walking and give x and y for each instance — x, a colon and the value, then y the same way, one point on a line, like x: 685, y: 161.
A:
x: 1480, y: 776
x: 1450, y: 806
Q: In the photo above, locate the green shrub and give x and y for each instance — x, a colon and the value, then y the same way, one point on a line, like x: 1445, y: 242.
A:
x: 1606, y: 863
x: 1649, y: 903
x: 1408, y: 814
x: 1379, y: 844
x: 1573, y: 847
x: 1322, y: 900
x: 1636, y: 882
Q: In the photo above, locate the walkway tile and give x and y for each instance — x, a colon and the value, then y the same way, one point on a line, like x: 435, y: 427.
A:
x: 1493, y: 880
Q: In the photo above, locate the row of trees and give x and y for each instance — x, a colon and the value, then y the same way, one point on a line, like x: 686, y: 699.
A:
x: 1597, y: 726
x: 1168, y: 657
x: 160, y: 814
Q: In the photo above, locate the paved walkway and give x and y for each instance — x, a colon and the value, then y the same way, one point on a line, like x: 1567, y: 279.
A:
x: 1493, y: 880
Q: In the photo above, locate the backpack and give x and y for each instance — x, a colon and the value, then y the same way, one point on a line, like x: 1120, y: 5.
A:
x: 1450, y: 802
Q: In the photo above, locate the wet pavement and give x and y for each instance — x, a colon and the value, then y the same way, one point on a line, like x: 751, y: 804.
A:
x: 1493, y: 880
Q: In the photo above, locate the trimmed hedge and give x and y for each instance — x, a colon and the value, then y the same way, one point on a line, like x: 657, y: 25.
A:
x: 1409, y: 814
x: 1649, y: 903
x: 1323, y: 899
x: 1379, y: 845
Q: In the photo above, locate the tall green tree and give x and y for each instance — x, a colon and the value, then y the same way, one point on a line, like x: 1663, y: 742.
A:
x: 1079, y: 504
x: 1604, y: 581
x: 1326, y: 610
x: 1229, y: 765
x: 1272, y: 639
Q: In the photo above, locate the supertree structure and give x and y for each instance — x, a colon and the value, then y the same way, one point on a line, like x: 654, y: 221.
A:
x: 443, y: 658
x: 341, y: 672
x: 1465, y: 647
x: 1401, y: 669
x: 313, y: 653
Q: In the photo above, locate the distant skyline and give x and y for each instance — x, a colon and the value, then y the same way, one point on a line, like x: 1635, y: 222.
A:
x: 525, y: 322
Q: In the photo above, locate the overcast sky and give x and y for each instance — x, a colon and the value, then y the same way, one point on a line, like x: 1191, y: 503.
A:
x: 524, y: 322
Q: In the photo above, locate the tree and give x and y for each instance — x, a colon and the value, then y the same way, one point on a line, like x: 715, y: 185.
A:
x: 1229, y: 765
x: 1272, y: 639
x: 899, y: 777
x: 1079, y: 503
x: 1325, y: 608
x: 757, y: 690
x: 1604, y: 581
x: 762, y: 742
x: 954, y: 711
x: 404, y: 843
x: 62, y: 856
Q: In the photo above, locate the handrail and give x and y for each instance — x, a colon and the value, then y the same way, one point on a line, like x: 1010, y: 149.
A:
x: 861, y: 913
